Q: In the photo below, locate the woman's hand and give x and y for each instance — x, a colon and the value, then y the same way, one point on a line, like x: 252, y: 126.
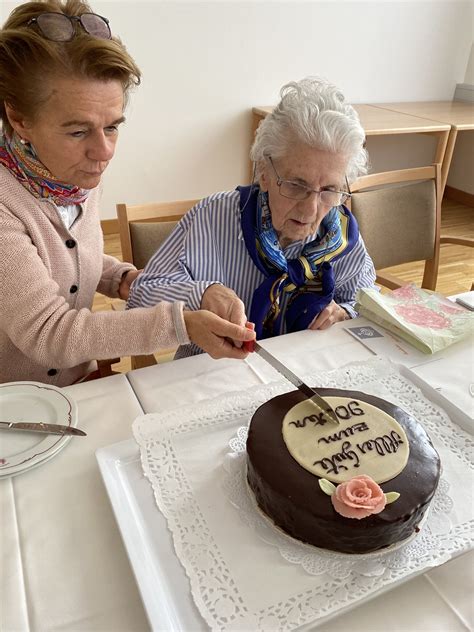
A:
x: 224, y: 302
x: 331, y: 314
x: 127, y: 279
x: 212, y: 334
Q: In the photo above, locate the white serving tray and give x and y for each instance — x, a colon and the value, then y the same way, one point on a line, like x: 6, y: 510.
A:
x: 161, y: 579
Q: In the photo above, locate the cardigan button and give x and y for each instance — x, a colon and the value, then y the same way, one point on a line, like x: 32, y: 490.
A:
x: 73, y: 289
x: 52, y: 372
x: 70, y: 243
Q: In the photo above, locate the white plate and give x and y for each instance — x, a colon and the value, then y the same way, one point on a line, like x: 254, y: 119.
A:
x: 32, y: 401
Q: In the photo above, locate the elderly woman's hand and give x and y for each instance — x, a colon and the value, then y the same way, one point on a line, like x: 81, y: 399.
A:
x: 225, y: 303
x: 331, y: 314
x: 212, y: 334
x: 126, y: 281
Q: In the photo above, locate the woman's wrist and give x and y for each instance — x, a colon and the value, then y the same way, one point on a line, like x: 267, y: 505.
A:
x: 126, y: 280
x: 180, y: 320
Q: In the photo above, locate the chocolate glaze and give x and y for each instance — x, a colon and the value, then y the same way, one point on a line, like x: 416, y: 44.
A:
x: 292, y: 498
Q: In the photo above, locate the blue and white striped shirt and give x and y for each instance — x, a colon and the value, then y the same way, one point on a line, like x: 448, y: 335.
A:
x: 207, y: 246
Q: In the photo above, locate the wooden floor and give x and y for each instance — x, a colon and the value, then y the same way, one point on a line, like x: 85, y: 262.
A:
x: 456, y: 270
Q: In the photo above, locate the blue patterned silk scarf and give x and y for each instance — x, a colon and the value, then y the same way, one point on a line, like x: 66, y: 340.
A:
x: 308, y: 279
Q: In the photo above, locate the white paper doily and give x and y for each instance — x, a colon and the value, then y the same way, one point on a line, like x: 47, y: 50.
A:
x: 182, y: 454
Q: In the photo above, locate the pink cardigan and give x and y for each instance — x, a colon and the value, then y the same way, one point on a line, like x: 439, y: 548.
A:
x: 48, y: 276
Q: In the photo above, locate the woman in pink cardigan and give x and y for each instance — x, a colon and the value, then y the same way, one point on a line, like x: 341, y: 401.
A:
x: 63, y: 84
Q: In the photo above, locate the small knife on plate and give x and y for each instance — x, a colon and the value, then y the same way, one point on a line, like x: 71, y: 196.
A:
x: 39, y: 426
x: 322, y: 405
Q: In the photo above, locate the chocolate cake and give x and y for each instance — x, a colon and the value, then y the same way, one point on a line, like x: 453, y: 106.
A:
x: 293, y: 488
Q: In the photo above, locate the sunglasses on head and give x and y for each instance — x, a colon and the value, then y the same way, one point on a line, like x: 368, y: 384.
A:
x: 58, y: 27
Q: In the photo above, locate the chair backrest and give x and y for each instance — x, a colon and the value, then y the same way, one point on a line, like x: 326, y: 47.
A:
x: 144, y: 227
x: 399, y: 214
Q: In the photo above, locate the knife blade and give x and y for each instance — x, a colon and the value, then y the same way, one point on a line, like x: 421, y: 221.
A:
x: 322, y: 405
x: 33, y: 426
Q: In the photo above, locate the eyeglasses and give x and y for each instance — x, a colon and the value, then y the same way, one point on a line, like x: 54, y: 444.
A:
x: 294, y: 191
x: 58, y: 27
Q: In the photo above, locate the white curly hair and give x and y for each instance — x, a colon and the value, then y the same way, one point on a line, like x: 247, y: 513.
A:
x: 312, y: 111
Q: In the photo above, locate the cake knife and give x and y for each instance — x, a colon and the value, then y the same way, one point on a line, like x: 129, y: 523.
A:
x: 324, y: 408
x: 39, y: 426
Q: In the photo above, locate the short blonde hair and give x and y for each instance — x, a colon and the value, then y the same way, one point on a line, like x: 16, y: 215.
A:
x: 28, y: 60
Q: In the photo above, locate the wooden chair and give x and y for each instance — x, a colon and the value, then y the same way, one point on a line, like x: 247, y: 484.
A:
x: 399, y: 216
x: 143, y: 228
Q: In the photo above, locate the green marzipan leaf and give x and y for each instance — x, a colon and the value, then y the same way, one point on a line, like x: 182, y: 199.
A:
x: 392, y: 497
x: 327, y: 487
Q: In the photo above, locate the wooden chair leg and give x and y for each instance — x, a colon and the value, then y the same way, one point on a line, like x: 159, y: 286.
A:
x: 430, y: 274
x: 104, y: 367
x: 142, y: 361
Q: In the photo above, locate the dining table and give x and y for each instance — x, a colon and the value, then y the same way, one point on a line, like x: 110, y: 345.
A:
x: 77, y: 553
x: 459, y: 115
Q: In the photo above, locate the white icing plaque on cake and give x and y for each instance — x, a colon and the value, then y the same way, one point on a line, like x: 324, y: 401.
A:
x: 367, y: 441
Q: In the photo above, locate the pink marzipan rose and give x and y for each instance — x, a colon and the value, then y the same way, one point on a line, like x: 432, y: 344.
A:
x: 358, y: 498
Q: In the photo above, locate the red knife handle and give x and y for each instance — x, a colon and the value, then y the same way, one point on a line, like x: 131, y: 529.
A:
x: 249, y: 345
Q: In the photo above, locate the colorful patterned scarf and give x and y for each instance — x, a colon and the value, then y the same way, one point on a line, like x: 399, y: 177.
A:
x: 23, y: 163
x: 309, y: 279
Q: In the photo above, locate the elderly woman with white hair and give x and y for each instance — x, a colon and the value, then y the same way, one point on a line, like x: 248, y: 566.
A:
x: 283, y: 253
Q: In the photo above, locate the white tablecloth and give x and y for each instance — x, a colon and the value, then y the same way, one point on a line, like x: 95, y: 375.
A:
x: 163, y: 387
x: 63, y: 563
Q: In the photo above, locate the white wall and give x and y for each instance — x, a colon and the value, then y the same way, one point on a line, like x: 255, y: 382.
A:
x: 205, y: 64
x: 469, y: 76
x: 461, y: 172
